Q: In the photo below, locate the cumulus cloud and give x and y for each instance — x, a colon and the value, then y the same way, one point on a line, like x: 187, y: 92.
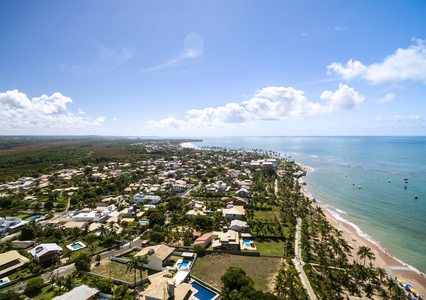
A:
x: 388, y: 98
x: 404, y: 64
x: 268, y: 104
x: 18, y: 111
x: 344, y: 98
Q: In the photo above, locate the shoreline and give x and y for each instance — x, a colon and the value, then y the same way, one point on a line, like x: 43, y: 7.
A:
x: 394, y: 267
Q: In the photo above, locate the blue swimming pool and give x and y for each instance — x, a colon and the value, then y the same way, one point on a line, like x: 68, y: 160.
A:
x: 203, y: 293
x: 144, y: 222
x: 246, y: 242
x: 184, y: 263
x: 35, y: 218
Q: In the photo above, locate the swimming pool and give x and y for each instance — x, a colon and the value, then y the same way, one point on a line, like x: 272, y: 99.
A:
x: 35, y: 218
x: 144, y: 222
x: 76, y: 246
x: 184, y: 263
x: 203, y: 293
x: 246, y: 242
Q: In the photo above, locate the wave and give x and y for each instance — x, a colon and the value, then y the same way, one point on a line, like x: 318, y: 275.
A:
x: 189, y: 145
x: 360, y: 233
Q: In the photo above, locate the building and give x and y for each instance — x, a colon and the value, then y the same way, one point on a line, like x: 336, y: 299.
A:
x: 238, y: 225
x: 82, y: 292
x: 157, y: 256
x: 11, y: 223
x: 84, y: 217
x: 234, y: 212
x: 226, y: 240
x: 10, y: 261
x: 45, y: 252
x: 141, y: 198
x: 204, y: 240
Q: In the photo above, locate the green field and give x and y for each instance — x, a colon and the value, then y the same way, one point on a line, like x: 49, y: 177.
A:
x: 262, y: 269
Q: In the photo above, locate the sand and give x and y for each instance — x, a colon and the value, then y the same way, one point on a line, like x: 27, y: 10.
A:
x: 393, y: 267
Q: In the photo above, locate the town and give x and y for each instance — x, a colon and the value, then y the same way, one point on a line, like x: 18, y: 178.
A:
x: 174, y: 222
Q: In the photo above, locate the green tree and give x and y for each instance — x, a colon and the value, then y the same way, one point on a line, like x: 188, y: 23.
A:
x: 82, y: 262
x: 200, y: 250
x: 365, y: 252
x: 235, y: 278
x: 34, y: 286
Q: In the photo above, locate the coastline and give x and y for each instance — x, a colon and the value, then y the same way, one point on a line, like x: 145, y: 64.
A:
x: 393, y: 266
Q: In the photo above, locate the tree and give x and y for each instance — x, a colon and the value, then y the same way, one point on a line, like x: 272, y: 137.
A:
x: 34, y: 286
x: 156, y: 218
x: 48, y: 205
x: 105, y: 285
x: 67, y: 253
x: 141, y: 260
x: 27, y: 233
x: 204, y: 222
x: 156, y: 237
x: 365, y: 252
x: 82, y: 262
x: 98, y: 258
x: 200, y: 250
x: 133, y: 265
x: 235, y: 278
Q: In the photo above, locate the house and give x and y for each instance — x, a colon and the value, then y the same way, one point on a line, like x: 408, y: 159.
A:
x: 157, y: 256
x: 242, y: 192
x: 236, y: 200
x: 10, y: 261
x: 84, y: 217
x: 162, y: 287
x: 226, y: 240
x: 238, y: 225
x: 11, y: 223
x: 45, y: 252
x: 204, y: 240
x: 232, y: 212
x: 141, y: 198
x: 82, y: 292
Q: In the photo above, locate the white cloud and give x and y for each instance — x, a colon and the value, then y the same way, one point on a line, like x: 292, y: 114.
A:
x: 268, y: 104
x: 115, y: 119
x: 17, y: 111
x: 404, y: 64
x: 388, y: 98
x: 344, y: 98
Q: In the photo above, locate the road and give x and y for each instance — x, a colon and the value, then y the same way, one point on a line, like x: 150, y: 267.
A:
x: 299, y: 263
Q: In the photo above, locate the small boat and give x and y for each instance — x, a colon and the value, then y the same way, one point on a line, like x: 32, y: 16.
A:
x: 389, y: 181
x: 416, y: 197
x: 359, y: 187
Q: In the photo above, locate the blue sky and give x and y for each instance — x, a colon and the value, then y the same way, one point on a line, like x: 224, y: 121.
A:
x: 213, y: 68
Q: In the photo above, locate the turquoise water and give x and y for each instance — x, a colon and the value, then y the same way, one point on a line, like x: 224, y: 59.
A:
x: 144, y: 222
x: 246, y: 242
x: 383, y: 211
x: 203, y: 293
x: 35, y: 218
x: 76, y: 246
x: 184, y: 263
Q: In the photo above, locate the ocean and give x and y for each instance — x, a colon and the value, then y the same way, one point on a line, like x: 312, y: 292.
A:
x: 384, y: 208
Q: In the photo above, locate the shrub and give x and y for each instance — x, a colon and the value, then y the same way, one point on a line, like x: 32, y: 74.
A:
x: 34, y: 286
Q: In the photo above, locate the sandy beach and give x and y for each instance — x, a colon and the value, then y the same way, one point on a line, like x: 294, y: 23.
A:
x: 384, y: 260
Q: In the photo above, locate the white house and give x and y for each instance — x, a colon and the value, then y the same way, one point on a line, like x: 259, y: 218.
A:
x: 11, y: 223
x: 141, y: 198
x: 238, y: 225
x: 84, y: 217
x: 157, y: 256
x: 45, y: 252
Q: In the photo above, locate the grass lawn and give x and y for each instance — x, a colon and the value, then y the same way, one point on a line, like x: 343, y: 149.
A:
x: 264, y: 214
x: 49, y: 292
x: 270, y: 246
x: 118, y: 271
x: 262, y: 269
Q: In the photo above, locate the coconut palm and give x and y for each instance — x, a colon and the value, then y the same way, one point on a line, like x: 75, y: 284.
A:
x: 141, y: 261
x: 365, y: 252
x: 133, y: 265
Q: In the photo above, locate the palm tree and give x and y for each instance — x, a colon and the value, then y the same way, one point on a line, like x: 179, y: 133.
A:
x: 365, y: 252
x: 67, y: 253
x: 102, y: 229
x: 381, y: 272
x: 141, y: 261
x: 133, y: 265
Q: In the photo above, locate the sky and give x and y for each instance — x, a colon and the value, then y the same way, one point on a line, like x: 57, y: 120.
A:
x: 213, y: 68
